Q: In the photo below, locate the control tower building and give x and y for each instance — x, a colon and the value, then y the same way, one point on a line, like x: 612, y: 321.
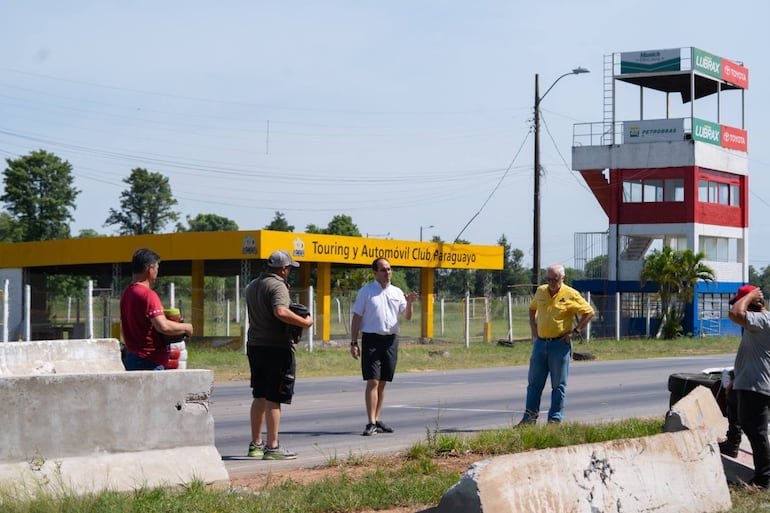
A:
x: 668, y: 165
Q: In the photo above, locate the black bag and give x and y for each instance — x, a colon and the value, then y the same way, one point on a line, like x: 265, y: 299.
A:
x: 295, y: 332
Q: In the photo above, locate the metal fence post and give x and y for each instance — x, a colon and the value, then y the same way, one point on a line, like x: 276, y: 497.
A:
x: 467, y: 320
x: 510, y: 317
x: 90, y: 310
x: 5, y: 310
x: 310, y: 308
x: 647, y: 320
x: 27, y: 312
x: 442, y: 316
x: 588, y: 328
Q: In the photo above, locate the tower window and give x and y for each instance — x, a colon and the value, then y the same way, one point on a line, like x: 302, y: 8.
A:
x: 653, y: 190
x: 712, y: 191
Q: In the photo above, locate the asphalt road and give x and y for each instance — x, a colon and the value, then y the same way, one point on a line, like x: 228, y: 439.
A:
x: 325, y: 420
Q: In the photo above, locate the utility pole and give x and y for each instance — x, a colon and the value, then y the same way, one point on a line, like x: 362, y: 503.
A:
x: 537, y: 171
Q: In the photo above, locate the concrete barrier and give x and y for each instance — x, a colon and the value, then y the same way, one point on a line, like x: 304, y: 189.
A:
x: 667, y: 473
x: 89, y: 430
x: 678, y: 471
x: 77, y: 356
x: 699, y: 410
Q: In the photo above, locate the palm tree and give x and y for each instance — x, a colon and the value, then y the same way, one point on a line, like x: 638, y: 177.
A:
x: 675, y: 273
x: 692, y: 270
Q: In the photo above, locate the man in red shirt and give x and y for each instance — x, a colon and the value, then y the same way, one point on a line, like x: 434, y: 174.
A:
x: 142, y: 320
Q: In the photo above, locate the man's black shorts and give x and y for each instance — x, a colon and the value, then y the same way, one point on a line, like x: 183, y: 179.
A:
x: 379, y: 355
x: 272, y: 373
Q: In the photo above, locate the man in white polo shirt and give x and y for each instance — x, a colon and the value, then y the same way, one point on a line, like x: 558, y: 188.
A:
x: 375, y: 315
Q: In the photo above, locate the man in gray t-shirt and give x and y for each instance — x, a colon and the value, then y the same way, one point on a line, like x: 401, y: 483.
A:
x: 271, y: 353
x: 752, y: 376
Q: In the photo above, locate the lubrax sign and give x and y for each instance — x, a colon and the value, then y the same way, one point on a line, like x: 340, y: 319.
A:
x: 719, y: 67
x: 720, y: 135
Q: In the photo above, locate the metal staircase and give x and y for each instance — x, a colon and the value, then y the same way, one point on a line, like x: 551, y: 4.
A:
x: 635, y: 247
x: 608, y: 130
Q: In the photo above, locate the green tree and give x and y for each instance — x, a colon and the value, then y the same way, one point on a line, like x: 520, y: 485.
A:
x: 571, y: 274
x: 40, y: 196
x: 342, y: 224
x: 146, y: 206
x: 208, y: 223
x: 279, y: 224
x: 10, y: 228
x: 596, y: 267
x: 87, y: 233
x: 675, y: 273
x: 513, y: 277
x: 754, y: 276
x: 760, y: 278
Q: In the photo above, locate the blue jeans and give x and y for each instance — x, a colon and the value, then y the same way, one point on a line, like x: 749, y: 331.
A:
x: 134, y: 363
x: 548, y: 357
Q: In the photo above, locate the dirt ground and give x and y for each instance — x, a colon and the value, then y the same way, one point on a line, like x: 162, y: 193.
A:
x: 256, y: 482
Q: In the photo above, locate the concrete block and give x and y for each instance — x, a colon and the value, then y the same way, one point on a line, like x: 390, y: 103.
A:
x: 697, y: 410
x: 77, y: 356
x: 119, y: 430
x: 126, y: 471
x: 667, y: 473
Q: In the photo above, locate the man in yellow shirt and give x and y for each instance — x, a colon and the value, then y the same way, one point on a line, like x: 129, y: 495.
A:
x: 551, y: 316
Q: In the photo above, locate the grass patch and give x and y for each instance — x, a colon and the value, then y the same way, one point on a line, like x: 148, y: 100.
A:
x: 417, y: 478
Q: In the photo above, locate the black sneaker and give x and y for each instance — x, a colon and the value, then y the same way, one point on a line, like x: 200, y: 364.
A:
x: 382, y: 427
x: 370, y: 429
x: 728, y: 449
x: 526, y: 421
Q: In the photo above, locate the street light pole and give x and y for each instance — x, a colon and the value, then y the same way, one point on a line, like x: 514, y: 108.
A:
x: 421, y: 227
x: 537, y: 172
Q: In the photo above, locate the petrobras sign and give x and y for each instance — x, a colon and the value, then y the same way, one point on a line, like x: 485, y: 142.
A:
x: 650, y: 61
x: 720, y: 135
x: 653, y: 130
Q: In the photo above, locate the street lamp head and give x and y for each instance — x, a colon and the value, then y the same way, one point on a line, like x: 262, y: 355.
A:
x: 425, y: 227
x: 580, y: 69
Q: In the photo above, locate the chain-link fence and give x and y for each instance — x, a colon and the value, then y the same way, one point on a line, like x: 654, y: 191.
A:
x: 455, y: 318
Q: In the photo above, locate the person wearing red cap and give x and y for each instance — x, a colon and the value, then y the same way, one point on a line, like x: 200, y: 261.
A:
x: 752, y: 376
x: 731, y: 445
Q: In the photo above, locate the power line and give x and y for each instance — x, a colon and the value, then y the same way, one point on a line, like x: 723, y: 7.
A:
x: 495, y: 188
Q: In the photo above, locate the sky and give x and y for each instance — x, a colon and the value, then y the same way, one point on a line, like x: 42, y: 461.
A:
x: 409, y: 116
